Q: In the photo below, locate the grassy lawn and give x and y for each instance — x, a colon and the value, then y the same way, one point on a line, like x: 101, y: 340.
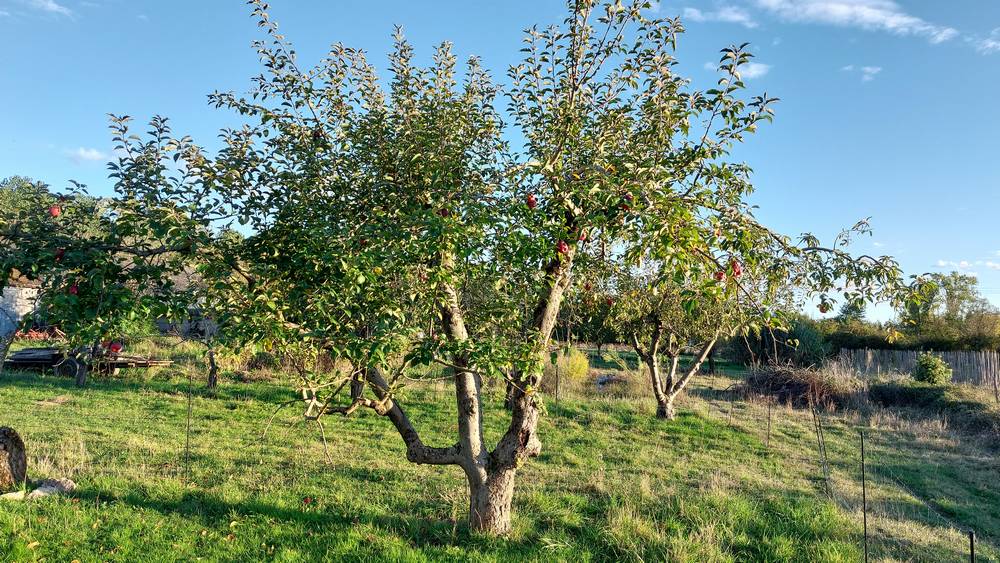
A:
x: 612, y: 483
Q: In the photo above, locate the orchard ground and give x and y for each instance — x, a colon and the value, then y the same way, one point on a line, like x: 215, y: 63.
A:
x: 612, y: 483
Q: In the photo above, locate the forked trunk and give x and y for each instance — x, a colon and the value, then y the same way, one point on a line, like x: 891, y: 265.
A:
x: 490, y: 503
x: 665, y: 407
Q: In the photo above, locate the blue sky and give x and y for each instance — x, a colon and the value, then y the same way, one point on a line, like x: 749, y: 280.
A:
x: 890, y: 109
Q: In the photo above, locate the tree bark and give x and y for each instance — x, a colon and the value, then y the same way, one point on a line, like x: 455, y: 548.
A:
x: 213, y: 370
x: 5, y: 342
x: 490, y: 503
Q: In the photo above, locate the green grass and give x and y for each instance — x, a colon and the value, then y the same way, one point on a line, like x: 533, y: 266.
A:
x: 612, y: 483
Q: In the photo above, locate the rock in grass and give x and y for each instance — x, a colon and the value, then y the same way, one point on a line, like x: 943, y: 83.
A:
x: 51, y: 487
x: 13, y: 461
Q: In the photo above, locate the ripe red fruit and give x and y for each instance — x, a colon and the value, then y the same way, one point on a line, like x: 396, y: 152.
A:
x: 587, y: 286
x: 307, y: 500
x: 531, y: 201
x: 737, y: 269
x: 626, y: 207
x: 60, y: 252
x: 562, y: 247
x: 720, y: 275
x: 74, y: 289
x: 115, y: 347
x: 583, y: 237
x: 609, y: 301
x: 444, y: 212
x: 55, y: 211
x: 823, y: 308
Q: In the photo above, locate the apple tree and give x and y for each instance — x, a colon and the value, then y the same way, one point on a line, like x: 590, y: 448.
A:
x: 105, y: 262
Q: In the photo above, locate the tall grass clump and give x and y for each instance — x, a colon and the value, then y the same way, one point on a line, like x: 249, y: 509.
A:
x: 568, y: 368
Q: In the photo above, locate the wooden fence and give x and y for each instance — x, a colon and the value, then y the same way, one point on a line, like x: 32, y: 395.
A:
x: 974, y: 367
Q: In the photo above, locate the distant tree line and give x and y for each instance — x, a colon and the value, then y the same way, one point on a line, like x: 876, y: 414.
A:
x: 953, y: 316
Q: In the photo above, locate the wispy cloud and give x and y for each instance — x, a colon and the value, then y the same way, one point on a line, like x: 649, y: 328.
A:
x: 83, y: 154
x: 726, y: 14
x: 50, y: 6
x: 989, y: 45
x: 964, y: 265
x: 748, y: 71
x: 867, y: 72
x: 884, y: 15
x: 754, y: 70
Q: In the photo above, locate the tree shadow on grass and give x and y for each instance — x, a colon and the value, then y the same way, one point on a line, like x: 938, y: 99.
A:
x: 322, y: 523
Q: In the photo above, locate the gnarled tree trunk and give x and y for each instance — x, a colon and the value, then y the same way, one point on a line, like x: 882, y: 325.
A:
x: 667, y: 388
x: 491, y: 502
x: 13, y: 460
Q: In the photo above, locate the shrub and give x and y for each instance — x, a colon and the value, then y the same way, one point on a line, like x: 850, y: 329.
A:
x: 573, y: 368
x: 800, y: 387
x: 931, y: 369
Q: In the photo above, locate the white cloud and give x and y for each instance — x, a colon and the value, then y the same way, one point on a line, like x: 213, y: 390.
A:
x: 83, y: 154
x: 877, y: 244
x: 50, y: 6
x: 4, y: 13
x: 867, y: 72
x: 965, y: 265
x: 748, y: 71
x: 884, y: 15
x: 754, y: 70
x: 726, y: 14
x: 143, y: 17
x: 989, y: 45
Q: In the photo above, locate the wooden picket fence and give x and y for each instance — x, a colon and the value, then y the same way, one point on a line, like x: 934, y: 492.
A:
x: 973, y: 367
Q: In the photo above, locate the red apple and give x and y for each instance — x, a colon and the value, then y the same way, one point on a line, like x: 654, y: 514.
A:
x: 55, y: 211
x: 626, y: 208
x: 720, y: 275
x: 531, y: 201
x: 737, y: 269
x: 115, y: 347
x: 609, y: 301
x: 74, y: 289
x: 823, y: 308
x: 562, y: 247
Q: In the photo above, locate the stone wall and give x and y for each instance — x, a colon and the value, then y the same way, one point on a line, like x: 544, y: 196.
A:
x: 15, y: 303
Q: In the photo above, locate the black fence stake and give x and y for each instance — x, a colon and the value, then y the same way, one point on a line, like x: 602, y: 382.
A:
x: 864, y: 492
x: 972, y: 546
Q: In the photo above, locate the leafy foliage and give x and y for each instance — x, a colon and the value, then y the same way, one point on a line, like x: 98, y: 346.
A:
x: 932, y: 369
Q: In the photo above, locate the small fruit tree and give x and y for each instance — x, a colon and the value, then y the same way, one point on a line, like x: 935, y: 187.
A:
x: 104, y: 263
x: 397, y: 228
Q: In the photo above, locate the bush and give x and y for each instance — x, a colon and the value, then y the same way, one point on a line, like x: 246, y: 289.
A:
x: 931, y: 369
x: 573, y: 368
x: 801, y: 387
